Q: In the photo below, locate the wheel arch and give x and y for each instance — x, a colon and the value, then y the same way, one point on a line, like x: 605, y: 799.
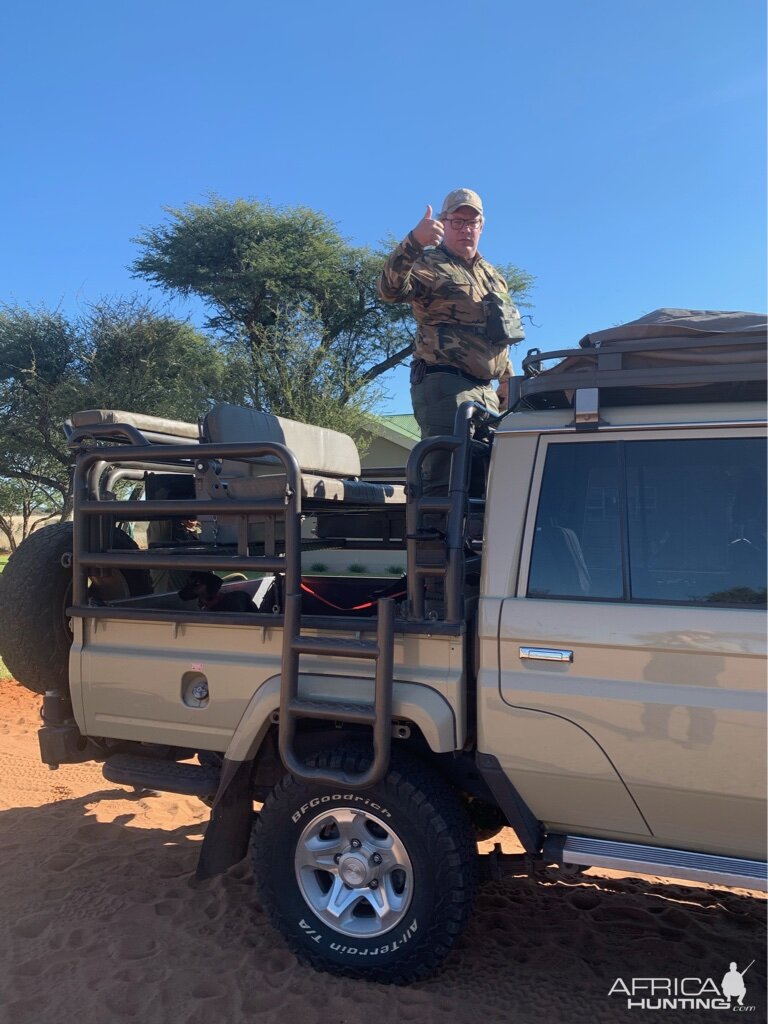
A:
x: 412, y: 703
x: 226, y: 838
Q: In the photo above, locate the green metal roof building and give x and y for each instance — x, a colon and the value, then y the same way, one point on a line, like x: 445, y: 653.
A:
x: 394, y: 437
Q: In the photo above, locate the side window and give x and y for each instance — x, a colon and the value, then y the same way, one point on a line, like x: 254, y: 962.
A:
x: 697, y: 521
x: 682, y: 521
x: 577, y: 546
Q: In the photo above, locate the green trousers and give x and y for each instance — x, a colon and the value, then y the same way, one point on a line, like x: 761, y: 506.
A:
x: 436, y: 400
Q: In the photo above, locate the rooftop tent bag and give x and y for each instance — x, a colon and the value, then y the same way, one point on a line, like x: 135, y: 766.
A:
x: 668, y: 355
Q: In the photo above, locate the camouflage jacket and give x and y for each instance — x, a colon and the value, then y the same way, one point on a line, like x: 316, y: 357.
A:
x: 446, y: 296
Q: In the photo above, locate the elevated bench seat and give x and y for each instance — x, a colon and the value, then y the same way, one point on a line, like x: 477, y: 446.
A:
x: 155, y: 429
x: 329, y: 460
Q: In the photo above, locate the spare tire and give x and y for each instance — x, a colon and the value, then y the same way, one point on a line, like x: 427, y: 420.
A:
x: 35, y: 592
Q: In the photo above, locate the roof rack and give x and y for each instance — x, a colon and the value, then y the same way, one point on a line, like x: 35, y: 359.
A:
x: 641, y: 371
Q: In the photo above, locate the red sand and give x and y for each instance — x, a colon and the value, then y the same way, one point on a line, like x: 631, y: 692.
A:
x: 100, y: 922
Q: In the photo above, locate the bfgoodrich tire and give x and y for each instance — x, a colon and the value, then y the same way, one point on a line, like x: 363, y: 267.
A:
x: 375, y: 884
x: 35, y: 591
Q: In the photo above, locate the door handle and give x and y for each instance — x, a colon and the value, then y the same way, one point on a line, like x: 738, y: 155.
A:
x: 545, y: 654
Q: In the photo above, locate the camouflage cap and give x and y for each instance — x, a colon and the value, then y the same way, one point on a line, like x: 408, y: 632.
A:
x: 462, y: 197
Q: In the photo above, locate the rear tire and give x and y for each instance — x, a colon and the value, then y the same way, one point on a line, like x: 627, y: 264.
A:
x: 373, y: 884
x: 36, y: 590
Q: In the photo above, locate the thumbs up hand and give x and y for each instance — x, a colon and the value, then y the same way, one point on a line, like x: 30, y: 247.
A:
x: 428, y: 231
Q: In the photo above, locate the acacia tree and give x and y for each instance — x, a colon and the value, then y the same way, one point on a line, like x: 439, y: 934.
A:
x: 136, y: 358
x: 287, y: 295
x: 24, y: 506
x: 119, y: 355
x: 39, y: 382
x: 295, y: 302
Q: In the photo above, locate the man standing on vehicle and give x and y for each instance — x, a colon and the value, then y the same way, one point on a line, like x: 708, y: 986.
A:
x: 466, y: 320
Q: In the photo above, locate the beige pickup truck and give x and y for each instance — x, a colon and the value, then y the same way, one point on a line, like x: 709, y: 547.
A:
x: 576, y: 647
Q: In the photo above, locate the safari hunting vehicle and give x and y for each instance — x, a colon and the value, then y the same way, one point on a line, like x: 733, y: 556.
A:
x: 592, y: 673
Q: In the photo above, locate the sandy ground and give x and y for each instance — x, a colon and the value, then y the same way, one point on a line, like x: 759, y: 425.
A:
x: 100, y: 922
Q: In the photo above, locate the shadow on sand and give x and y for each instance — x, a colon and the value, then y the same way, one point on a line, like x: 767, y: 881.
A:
x: 101, y: 920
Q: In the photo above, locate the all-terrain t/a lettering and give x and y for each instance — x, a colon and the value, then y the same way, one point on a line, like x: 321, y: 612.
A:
x: 309, y: 931
x: 390, y: 947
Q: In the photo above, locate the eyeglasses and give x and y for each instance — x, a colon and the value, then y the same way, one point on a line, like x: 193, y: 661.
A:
x: 457, y: 223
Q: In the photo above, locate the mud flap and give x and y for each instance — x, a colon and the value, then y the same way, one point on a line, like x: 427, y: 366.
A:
x: 229, y: 830
x: 528, y: 828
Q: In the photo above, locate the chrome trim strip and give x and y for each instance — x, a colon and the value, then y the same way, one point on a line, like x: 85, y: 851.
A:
x: 545, y: 654
x: 655, y: 860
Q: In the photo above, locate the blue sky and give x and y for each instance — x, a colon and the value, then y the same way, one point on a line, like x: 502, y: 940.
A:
x: 619, y: 145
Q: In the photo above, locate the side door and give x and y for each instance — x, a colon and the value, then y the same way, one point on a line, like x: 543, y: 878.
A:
x: 644, y: 571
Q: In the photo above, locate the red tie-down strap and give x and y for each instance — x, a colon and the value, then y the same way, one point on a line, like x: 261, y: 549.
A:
x: 340, y: 608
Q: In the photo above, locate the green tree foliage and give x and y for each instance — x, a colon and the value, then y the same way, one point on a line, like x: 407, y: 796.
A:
x: 295, y: 302
x: 39, y: 387
x: 25, y: 505
x: 117, y: 355
x: 137, y: 359
x: 519, y: 282
x: 250, y: 262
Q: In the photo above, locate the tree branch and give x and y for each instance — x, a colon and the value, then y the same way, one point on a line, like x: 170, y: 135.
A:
x: 28, y: 474
x: 376, y: 371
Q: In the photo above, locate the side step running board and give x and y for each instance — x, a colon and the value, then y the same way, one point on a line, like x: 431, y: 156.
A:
x: 165, y: 776
x: 657, y: 860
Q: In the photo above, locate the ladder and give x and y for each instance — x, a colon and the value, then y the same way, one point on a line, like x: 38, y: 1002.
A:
x: 376, y: 714
x: 428, y: 555
x: 445, y: 554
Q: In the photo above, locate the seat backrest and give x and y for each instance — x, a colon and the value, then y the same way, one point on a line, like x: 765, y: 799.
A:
x: 155, y: 426
x: 558, y: 567
x: 318, y: 450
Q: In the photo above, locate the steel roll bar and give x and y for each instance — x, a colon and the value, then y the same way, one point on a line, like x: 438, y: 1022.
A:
x: 91, y: 514
x: 121, y: 433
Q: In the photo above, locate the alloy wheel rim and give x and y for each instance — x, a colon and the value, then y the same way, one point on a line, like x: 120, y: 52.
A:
x: 354, y: 872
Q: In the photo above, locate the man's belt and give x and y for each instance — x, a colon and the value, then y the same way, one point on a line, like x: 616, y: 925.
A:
x: 456, y: 372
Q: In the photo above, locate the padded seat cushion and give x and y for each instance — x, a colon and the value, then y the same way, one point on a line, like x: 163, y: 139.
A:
x: 317, y: 449
x: 318, y: 488
x: 152, y: 424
